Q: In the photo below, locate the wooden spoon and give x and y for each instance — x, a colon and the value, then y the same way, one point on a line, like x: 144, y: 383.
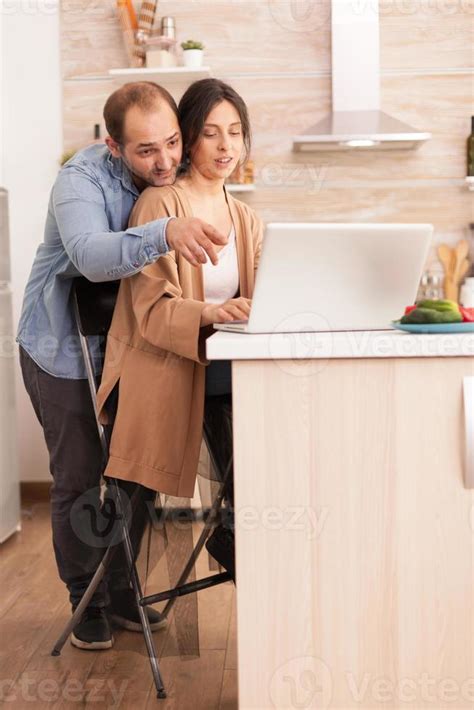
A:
x: 463, y: 269
x: 450, y: 290
x: 446, y: 257
x: 460, y: 257
x: 461, y: 251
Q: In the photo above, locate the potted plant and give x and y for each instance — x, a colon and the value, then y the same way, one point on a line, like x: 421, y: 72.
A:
x: 192, y: 53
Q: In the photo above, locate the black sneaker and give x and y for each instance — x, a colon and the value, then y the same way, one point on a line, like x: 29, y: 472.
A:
x: 220, y: 544
x: 93, y: 632
x: 123, y: 612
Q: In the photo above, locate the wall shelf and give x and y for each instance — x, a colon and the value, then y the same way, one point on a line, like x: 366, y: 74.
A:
x: 175, y: 79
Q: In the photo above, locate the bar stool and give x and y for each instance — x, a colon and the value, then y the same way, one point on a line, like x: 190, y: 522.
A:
x: 93, y: 305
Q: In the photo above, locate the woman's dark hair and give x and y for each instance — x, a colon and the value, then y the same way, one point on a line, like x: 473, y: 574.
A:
x: 196, y: 105
x: 144, y: 94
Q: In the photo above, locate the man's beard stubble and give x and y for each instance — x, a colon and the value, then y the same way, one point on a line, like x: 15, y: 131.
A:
x: 143, y: 180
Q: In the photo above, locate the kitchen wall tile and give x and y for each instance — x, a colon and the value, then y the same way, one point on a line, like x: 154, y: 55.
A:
x: 276, y: 53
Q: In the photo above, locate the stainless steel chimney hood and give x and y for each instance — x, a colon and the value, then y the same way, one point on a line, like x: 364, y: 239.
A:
x: 356, y: 121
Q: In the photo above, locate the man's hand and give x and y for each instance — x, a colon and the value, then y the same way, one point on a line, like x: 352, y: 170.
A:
x: 190, y: 236
x: 233, y: 309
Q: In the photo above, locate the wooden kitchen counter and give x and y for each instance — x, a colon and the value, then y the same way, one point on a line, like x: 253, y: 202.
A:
x: 354, y: 494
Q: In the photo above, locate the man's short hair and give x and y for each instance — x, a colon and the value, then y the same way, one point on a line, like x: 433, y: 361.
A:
x: 143, y: 94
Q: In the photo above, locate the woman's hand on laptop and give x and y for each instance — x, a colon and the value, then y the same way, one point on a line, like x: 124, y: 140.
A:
x: 232, y: 310
x: 193, y: 238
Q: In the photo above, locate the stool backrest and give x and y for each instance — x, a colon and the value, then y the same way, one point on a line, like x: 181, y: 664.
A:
x: 94, y: 305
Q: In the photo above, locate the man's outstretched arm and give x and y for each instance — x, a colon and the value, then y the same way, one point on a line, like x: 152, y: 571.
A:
x: 102, y: 255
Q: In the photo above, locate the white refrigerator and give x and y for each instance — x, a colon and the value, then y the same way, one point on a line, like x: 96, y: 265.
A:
x: 9, y: 483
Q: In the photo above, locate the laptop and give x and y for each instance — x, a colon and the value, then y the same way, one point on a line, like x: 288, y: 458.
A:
x: 316, y: 277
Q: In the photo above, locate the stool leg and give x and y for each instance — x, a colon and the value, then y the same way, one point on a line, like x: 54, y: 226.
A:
x: 211, y: 518
x: 86, y: 597
x: 94, y: 583
x: 155, y: 669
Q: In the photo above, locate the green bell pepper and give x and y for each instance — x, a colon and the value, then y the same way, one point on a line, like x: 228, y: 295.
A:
x: 439, y: 305
x: 430, y: 315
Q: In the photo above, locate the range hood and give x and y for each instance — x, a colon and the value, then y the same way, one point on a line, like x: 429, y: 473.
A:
x: 356, y: 121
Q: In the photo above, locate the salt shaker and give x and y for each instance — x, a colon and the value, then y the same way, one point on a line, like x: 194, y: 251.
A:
x: 168, y: 27
x: 430, y: 286
x: 161, y: 49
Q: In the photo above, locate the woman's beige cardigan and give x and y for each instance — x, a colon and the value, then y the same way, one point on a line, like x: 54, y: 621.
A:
x: 156, y: 350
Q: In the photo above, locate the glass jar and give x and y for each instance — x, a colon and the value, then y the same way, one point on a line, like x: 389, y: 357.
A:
x: 466, y: 296
x: 431, y: 286
x: 161, y: 52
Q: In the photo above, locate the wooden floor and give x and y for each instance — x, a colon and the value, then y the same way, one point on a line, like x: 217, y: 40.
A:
x: 34, y: 609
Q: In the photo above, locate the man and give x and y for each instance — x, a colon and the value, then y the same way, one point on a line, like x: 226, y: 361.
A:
x: 86, y: 233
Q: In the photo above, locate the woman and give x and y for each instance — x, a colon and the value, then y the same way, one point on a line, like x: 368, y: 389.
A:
x: 156, y: 343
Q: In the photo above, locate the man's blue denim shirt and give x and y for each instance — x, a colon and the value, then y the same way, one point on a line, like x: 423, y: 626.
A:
x: 85, y: 233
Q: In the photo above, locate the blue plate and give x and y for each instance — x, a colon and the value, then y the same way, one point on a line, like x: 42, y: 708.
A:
x: 434, y: 327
